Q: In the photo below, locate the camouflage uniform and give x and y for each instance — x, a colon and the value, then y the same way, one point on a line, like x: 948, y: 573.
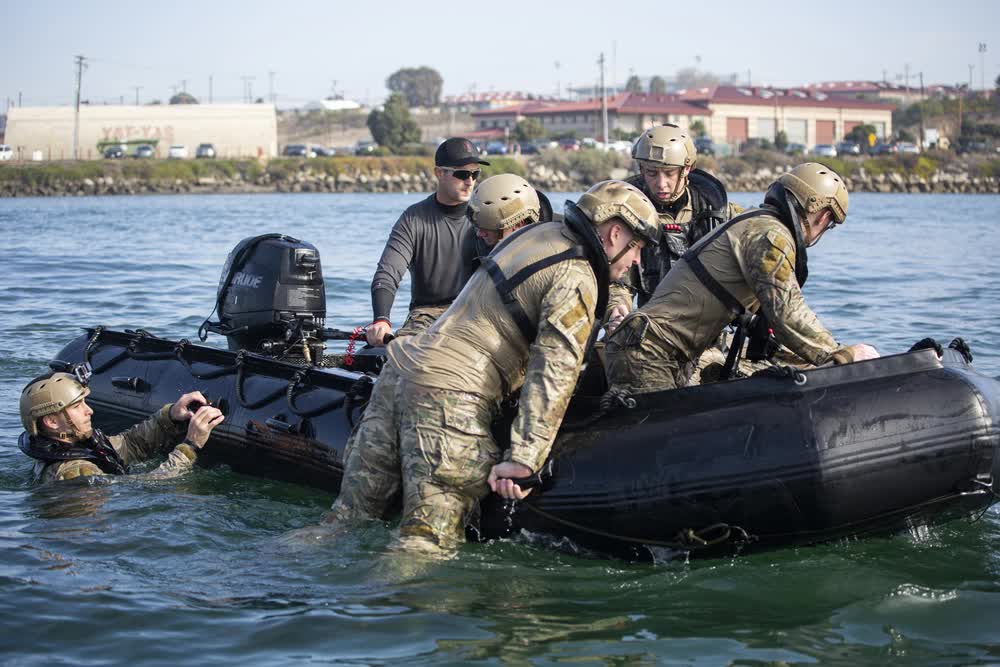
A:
x: 427, y: 428
x: 655, y: 347
x: 679, y: 234
x: 143, y: 441
x: 420, y: 319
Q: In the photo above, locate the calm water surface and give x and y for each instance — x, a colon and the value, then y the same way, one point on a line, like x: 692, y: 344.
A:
x: 201, y: 570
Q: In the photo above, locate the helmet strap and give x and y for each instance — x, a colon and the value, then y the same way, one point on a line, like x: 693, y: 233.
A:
x: 628, y: 246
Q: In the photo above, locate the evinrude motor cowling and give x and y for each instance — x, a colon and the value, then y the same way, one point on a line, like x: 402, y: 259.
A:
x: 271, y: 297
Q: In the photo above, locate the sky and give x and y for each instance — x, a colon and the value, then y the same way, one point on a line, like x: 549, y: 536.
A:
x: 302, y: 50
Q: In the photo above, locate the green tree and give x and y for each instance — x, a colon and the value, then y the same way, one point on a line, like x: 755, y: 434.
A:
x: 698, y: 128
x: 528, y: 129
x: 781, y: 140
x: 657, y: 86
x: 183, y: 98
x: 393, y: 127
x: 859, y: 134
x: 633, y: 85
x: 421, y: 86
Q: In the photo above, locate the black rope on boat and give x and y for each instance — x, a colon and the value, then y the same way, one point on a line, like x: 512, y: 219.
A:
x: 184, y: 344
x: 92, y: 346
x: 240, y: 398
x: 688, y: 539
x: 290, y: 397
x: 357, y: 397
x: 960, y: 346
x: 616, y: 398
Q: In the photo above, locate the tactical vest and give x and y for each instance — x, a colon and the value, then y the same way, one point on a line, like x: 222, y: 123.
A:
x: 97, y: 449
x: 709, y: 209
x: 482, y: 343
x: 777, y: 204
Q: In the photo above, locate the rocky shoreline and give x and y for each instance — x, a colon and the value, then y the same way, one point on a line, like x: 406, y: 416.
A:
x: 305, y: 179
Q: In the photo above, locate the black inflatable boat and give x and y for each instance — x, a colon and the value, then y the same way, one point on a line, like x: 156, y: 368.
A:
x: 748, y: 464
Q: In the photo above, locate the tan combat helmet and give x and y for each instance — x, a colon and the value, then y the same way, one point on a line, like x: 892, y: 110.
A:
x: 503, y: 201
x: 665, y: 146
x: 617, y: 199
x: 815, y: 187
x: 48, y: 395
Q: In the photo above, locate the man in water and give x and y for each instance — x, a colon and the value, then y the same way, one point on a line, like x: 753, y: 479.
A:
x: 433, y: 241
x: 524, y: 321
x: 58, y: 433
x: 757, y: 261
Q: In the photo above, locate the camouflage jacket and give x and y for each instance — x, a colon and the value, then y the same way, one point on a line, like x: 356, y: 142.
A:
x: 155, y: 436
x: 478, y: 347
x: 754, y: 260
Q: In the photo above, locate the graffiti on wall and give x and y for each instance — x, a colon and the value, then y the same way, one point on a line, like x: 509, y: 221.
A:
x: 164, y: 133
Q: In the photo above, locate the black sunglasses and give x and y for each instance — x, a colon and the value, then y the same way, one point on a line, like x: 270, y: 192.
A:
x: 464, y: 174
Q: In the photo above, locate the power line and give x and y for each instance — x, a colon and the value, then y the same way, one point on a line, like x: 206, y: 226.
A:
x: 80, y: 65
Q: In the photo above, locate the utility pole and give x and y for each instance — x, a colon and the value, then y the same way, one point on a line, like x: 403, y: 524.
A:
x: 80, y: 64
x: 270, y: 89
x: 982, y: 65
x: 247, y: 89
x: 558, y: 83
x: 749, y: 79
x: 137, y: 89
x: 184, y: 85
x: 209, y: 88
x: 921, y: 112
x: 604, y: 103
x: 906, y: 78
x: 19, y: 99
x: 971, y: 67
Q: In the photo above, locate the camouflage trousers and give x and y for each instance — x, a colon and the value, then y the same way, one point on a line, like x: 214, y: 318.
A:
x: 434, y: 446
x: 639, y: 359
x: 420, y: 319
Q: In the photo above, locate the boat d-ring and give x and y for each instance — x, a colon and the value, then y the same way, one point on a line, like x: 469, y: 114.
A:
x: 801, y: 379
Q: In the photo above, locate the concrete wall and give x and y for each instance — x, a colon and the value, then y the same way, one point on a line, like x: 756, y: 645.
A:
x: 236, y: 130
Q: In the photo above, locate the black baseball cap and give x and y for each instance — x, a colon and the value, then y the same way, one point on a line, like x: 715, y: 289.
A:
x: 456, y: 152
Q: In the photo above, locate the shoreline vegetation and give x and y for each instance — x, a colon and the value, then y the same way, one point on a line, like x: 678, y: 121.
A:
x: 552, y: 171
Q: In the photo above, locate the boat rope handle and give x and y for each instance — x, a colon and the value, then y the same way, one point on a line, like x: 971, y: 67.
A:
x: 687, y: 540
x: 184, y: 344
x: 290, y: 397
x: 241, y: 399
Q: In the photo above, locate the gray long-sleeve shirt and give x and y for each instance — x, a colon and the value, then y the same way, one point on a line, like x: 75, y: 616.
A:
x: 437, y: 244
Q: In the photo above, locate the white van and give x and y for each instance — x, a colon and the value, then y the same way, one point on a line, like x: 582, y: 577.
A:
x: 6, y: 152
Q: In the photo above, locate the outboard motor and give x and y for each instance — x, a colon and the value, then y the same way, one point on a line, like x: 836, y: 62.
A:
x: 271, y: 298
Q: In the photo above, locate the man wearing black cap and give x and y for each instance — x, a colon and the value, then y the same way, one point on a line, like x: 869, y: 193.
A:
x: 434, y: 240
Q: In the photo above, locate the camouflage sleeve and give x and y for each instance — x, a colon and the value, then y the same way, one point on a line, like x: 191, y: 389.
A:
x: 554, y: 361
x: 734, y: 210
x: 152, y: 437
x: 178, y: 462
x: 769, y: 262
x: 619, y: 294
x: 70, y: 470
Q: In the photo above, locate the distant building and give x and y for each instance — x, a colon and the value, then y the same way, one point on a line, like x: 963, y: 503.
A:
x: 630, y: 112
x: 236, y: 130
x: 491, y: 100
x: 807, y: 117
x: 884, y: 91
x: 332, y: 105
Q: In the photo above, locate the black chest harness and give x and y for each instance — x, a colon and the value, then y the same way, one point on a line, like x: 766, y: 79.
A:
x: 777, y: 205
x: 97, y: 449
x: 589, y: 249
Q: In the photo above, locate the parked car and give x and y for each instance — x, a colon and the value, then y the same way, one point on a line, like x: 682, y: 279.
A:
x: 848, y: 148
x: 143, y: 151
x: 528, y: 148
x: 704, y: 145
x: 297, y: 150
x: 757, y: 143
x: 795, y: 149
x: 177, y: 152
x: 206, y: 151
x: 882, y: 148
x: 569, y: 145
x: 907, y: 147
x: 324, y: 152
x: 496, y: 148
x: 114, y: 153
x: 824, y: 150
x: 620, y: 146
x: 6, y: 152
x: 365, y: 147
